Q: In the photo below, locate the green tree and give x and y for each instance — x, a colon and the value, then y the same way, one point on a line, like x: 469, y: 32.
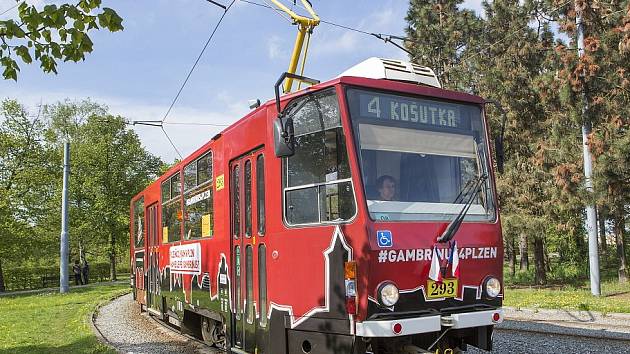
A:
x: 24, y: 184
x: 599, y: 81
x: 109, y: 167
x: 51, y: 34
x: 441, y: 33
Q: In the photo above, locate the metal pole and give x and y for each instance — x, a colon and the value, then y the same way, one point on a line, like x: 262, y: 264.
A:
x: 63, y: 264
x: 591, y: 217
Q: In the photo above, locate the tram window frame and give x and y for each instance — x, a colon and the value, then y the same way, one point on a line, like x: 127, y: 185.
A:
x: 238, y: 268
x: 249, y: 284
x: 202, y: 184
x: 236, y: 201
x: 324, y: 128
x: 260, y: 194
x: 139, y: 213
x: 262, y: 283
x: 247, y: 180
x: 173, y: 199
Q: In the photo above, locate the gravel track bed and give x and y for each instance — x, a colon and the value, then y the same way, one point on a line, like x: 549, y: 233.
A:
x: 122, y: 325
x: 129, y: 331
x: 515, y: 341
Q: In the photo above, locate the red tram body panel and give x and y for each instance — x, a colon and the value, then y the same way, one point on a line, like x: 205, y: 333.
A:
x: 306, y: 254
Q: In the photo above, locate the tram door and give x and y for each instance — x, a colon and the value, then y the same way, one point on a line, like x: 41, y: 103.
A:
x: 153, y: 273
x: 243, y: 205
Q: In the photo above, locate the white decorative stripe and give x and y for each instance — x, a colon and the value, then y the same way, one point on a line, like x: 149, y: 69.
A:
x: 296, y: 320
x: 476, y: 319
x: 409, y: 326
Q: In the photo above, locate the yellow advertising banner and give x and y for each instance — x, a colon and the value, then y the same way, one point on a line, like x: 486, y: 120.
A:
x: 165, y: 234
x: 206, y: 226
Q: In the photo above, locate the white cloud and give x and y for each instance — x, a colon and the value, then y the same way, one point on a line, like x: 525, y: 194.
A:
x: 187, y: 138
x: 386, y: 17
x: 277, y: 47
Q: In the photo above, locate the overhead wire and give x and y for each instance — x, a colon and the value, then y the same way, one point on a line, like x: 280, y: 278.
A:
x: 205, y: 46
x: 192, y: 69
x: 387, y: 38
x: 9, y: 9
x: 171, y: 141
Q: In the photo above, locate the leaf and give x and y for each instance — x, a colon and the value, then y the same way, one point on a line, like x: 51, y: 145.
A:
x: 79, y: 25
x: 23, y: 53
x: 47, y: 36
x: 10, y: 69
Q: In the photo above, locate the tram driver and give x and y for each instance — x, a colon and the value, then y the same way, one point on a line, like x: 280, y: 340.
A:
x: 386, y: 185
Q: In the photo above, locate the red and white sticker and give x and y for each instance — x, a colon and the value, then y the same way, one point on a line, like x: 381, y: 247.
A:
x: 185, y: 259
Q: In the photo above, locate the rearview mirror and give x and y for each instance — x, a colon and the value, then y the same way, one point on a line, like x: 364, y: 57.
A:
x: 284, y: 142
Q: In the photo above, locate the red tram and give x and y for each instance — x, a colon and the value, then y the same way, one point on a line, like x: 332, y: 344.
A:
x: 356, y: 215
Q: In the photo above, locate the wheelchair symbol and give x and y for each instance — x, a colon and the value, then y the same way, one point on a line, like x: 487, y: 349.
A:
x: 384, y: 238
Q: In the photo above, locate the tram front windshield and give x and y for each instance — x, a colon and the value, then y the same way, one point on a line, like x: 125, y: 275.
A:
x: 421, y: 159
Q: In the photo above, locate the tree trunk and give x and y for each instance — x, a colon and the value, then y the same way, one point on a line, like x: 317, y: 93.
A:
x: 512, y: 256
x: 112, y: 256
x: 539, y: 262
x: 601, y: 219
x: 547, y: 261
x: 522, y: 245
x: 81, y: 252
x: 2, y: 288
x: 620, y: 224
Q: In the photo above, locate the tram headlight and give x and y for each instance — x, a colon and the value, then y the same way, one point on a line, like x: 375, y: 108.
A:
x: 492, y: 287
x: 388, y: 294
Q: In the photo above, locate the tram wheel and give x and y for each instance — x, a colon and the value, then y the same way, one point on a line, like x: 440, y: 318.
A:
x: 211, y: 332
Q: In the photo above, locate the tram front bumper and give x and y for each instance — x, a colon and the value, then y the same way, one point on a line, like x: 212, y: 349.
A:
x: 410, y: 326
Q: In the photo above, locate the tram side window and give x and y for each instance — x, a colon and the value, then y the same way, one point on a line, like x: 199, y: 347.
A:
x: 171, y: 209
x: 260, y: 194
x: 199, y: 214
x: 248, y: 198
x: 262, y: 283
x: 236, y: 203
x: 317, y: 184
x: 249, y: 283
x: 138, y: 222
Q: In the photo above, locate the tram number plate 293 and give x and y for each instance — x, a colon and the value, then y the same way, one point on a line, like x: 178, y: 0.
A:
x: 447, y: 288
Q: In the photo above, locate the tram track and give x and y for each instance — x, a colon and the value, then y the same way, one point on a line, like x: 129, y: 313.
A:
x: 204, y: 349
x: 124, y: 329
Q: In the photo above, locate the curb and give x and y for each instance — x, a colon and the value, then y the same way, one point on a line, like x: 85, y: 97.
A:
x: 97, y: 332
x: 565, y: 315
x: 614, y: 326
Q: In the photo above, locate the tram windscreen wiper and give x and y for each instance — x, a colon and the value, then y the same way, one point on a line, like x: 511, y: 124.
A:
x: 452, y: 228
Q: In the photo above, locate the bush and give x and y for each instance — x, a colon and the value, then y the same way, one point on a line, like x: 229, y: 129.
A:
x: 27, y: 278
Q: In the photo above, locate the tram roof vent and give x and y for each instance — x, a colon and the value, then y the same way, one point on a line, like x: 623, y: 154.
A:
x: 392, y: 69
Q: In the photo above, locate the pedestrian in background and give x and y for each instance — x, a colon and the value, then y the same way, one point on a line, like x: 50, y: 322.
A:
x: 85, y: 271
x: 76, y: 270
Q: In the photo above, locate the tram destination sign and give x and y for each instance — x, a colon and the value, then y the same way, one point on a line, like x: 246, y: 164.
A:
x: 413, y: 110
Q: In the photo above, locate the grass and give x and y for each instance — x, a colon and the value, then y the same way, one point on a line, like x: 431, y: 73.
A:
x: 53, y: 323
x: 615, y: 298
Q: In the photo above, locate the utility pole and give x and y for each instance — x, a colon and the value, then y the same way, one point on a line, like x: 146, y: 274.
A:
x: 591, y: 217
x: 63, y: 264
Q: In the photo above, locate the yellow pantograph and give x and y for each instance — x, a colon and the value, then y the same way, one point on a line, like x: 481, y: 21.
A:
x: 305, y: 28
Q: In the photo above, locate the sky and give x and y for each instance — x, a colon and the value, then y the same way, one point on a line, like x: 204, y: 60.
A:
x: 137, y: 72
